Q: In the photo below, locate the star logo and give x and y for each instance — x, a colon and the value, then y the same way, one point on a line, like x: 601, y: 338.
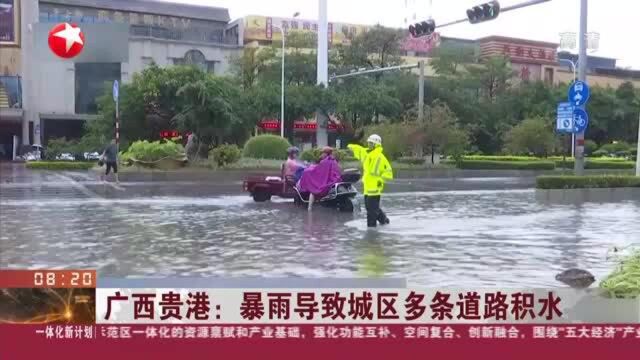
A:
x: 66, y: 40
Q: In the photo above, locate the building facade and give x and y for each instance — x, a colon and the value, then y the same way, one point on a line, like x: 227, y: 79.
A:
x: 43, y: 96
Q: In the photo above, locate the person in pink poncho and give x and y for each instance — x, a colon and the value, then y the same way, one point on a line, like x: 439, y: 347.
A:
x: 318, y: 179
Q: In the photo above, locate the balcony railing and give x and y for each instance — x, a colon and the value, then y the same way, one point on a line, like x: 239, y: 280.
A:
x: 215, y: 36
x: 10, y: 92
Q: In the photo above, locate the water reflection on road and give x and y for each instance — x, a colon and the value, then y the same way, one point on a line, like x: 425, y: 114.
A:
x: 475, y: 238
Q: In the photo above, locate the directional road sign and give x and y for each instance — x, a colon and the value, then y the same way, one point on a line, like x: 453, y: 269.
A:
x: 579, y: 93
x: 580, y: 120
x: 564, y: 120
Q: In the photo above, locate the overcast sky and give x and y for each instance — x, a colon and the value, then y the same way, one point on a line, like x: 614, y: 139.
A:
x: 615, y: 20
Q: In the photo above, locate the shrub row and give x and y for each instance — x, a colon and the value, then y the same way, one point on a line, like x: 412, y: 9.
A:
x: 153, y: 150
x: 598, y: 164
x: 313, y: 155
x: 501, y: 158
x: 506, y: 165
x: 586, y: 182
x: 60, y: 165
x: 411, y: 160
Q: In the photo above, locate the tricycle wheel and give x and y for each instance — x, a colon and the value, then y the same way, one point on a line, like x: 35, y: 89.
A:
x: 261, y: 196
x: 346, y: 205
x: 297, y: 200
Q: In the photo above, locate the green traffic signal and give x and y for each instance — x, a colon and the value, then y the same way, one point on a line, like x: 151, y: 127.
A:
x: 484, y: 12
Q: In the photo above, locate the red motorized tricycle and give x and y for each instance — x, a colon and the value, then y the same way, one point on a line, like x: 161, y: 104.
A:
x: 341, y: 195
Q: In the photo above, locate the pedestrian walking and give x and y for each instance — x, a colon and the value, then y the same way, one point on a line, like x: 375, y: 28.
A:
x: 110, y: 159
x: 377, y: 170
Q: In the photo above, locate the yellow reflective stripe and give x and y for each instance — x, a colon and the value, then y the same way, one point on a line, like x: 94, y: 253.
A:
x: 376, y: 171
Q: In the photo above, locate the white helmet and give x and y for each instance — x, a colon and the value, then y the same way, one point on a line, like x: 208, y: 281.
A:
x: 375, y: 139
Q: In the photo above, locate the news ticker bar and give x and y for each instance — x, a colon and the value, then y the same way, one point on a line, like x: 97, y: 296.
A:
x: 355, y: 331
x: 296, y: 341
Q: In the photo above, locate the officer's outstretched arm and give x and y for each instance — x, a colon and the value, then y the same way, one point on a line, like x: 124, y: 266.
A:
x: 359, y: 152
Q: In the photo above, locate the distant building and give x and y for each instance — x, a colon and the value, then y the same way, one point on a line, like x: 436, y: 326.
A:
x: 49, y: 97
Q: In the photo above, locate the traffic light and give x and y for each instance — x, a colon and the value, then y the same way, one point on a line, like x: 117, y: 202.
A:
x: 484, y: 12
x: 423, y: 28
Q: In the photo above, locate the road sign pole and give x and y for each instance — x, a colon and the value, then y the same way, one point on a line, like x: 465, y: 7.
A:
x: 117, y: 127
x: 582, y: 76
x: 116, y: 99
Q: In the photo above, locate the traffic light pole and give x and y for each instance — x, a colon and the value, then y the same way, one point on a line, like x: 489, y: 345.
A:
x: 582, y: 76
x: 421, y: 92
x: 502, y: 10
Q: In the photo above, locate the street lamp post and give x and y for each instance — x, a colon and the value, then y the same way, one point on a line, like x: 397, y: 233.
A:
x: 282, y: 80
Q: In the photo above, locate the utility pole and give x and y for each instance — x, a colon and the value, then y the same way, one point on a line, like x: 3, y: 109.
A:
x: 323, y: 70
x: 582, y: 76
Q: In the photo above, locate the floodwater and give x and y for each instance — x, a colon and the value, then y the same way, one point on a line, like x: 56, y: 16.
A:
x: 443, y: 238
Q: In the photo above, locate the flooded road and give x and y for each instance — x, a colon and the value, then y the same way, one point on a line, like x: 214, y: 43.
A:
x: 437, y: 238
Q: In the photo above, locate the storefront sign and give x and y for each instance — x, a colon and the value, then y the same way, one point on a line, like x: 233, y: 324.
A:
x: 263, y: 28
x: 9, y: 22
x: 298, y: 126
x: 528, y: 52
x: 422, y: 44
x: 61, y: 13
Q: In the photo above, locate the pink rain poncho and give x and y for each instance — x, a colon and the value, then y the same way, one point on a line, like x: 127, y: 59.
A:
x: 318, y: 179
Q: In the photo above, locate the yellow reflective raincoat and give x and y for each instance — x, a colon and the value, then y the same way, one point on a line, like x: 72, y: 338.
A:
x: 375, y: 167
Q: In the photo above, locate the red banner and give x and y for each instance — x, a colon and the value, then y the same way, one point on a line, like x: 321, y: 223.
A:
x: 571, y: 341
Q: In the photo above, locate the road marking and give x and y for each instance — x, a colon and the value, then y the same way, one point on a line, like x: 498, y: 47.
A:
x: 78, y: 186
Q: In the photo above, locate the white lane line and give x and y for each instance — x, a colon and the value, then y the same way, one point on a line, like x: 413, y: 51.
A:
x: 76, y: 185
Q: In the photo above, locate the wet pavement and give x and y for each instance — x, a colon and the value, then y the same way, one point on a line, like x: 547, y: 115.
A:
x: 491, y: 234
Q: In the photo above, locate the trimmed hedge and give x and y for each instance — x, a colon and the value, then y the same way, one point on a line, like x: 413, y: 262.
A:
x: 411, y: 160
x: 313, y: 155
x: 598, y: 164
x: 60, y: 165
x: 506, y: 165
x: 500, y: 158
x: 266, y: 147
x: 587, y: 182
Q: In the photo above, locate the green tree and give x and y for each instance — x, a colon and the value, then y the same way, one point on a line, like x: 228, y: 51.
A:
x: 147, y: 105
x: 212, y: 108
x: 250, y: 64
x: 452, y: 60
x: 532, y: 136
x: 378, y: 47
x: 493, y: 78
x: 442, y: 132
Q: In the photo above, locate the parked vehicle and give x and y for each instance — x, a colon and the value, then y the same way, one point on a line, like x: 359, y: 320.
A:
x: 32, y: 153
x: 66, y: 157
x: 92, y: 156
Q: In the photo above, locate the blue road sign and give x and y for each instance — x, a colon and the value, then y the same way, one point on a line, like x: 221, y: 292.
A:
x: 579, y: 93
x: 580, y: 120
x: 564, y: 119
x: 116, y: 90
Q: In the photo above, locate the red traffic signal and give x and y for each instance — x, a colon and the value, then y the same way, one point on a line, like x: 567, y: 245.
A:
x: 484, y: 12
x: 423, y: 28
